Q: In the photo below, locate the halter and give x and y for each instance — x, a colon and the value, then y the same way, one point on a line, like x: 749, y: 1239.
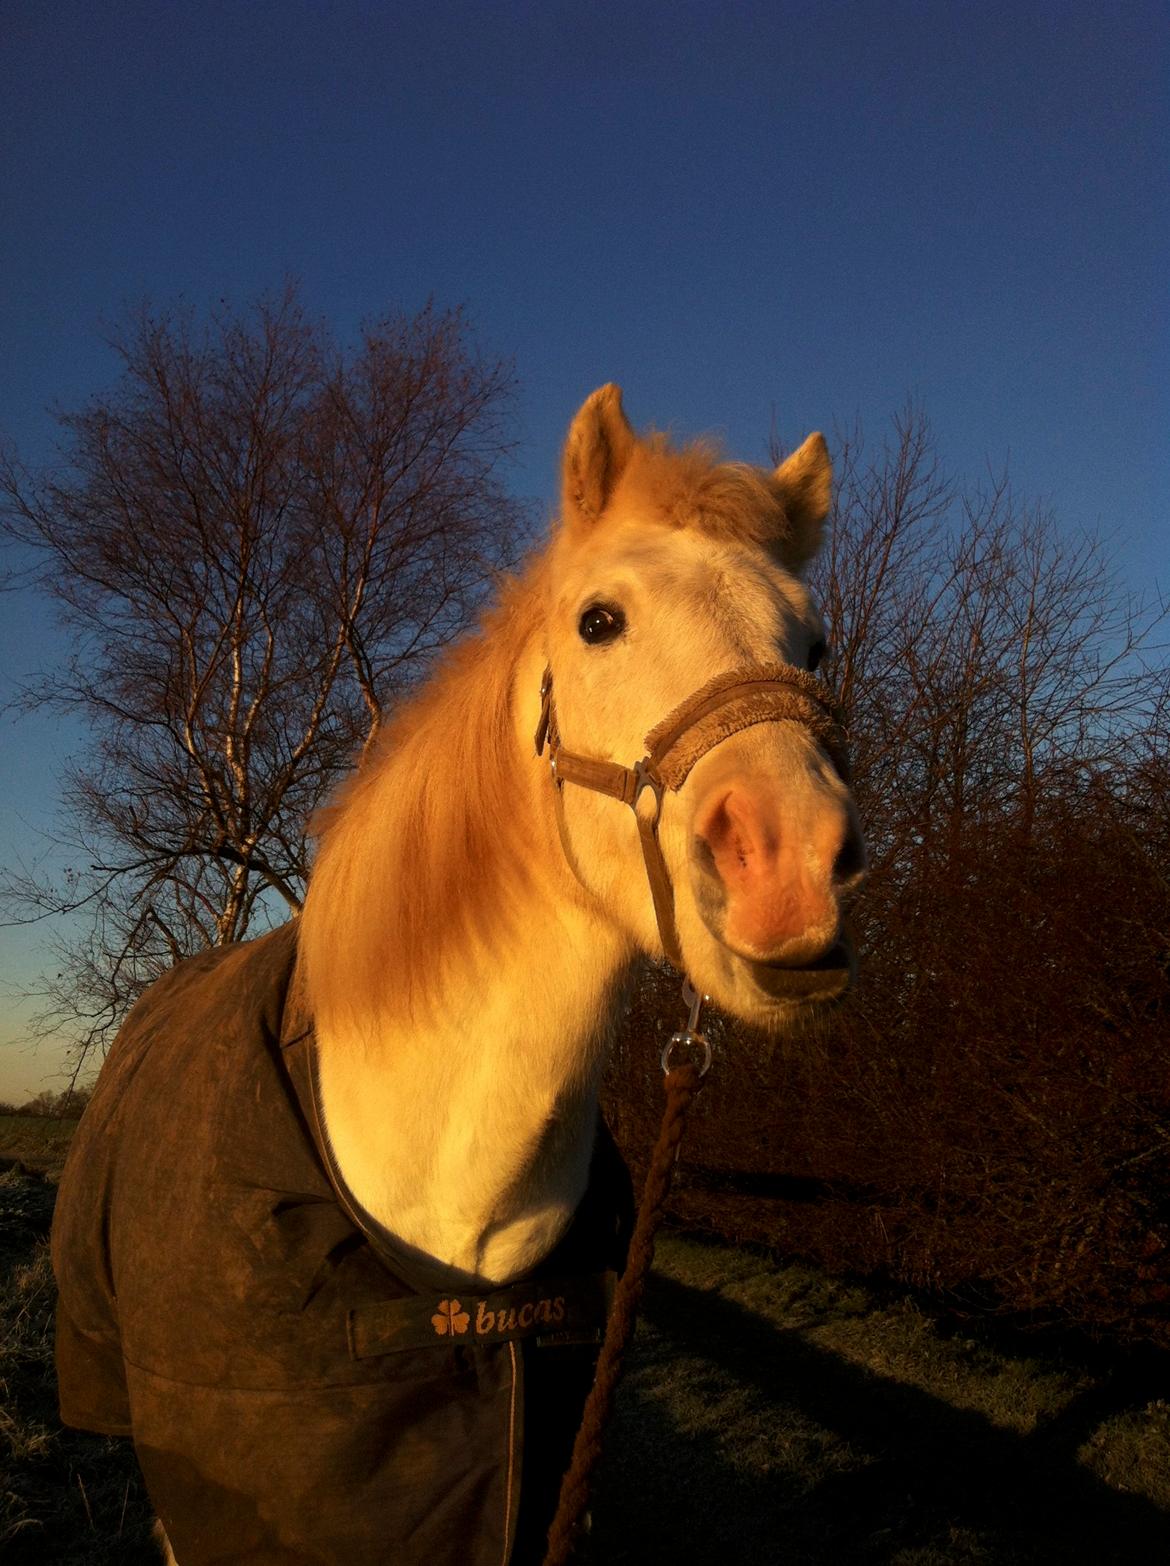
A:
x: 724, y: 706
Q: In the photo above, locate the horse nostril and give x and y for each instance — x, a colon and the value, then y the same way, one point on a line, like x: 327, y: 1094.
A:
x: 850, y: 863
x: 703, y: 856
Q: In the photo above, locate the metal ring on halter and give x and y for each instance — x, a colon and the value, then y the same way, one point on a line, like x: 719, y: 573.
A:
x: 645, y: 779
x: 688, y: 1038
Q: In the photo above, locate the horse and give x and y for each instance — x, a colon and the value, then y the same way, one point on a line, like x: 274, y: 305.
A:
x: 338, y: 1230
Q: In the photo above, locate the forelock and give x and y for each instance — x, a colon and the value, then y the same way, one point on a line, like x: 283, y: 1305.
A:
x: 690, y: 487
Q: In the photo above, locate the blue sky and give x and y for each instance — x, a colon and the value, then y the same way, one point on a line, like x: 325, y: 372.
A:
x: 817, y: 209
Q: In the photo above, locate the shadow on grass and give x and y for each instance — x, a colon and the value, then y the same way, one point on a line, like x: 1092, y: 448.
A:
x: 913, y: 1479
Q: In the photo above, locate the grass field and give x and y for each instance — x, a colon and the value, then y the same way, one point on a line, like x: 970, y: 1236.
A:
x: 66, y: 1499
x: 35, y: 1141
x: 775, y: 1415
x: 771, y: 1415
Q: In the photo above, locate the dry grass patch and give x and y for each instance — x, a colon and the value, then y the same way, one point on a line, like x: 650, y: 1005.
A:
x: 65, y: 1497
x: 38, y: 1141
x: 1131, y: 1452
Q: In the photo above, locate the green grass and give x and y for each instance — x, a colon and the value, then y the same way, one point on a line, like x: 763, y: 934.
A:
x: 771, y: 1414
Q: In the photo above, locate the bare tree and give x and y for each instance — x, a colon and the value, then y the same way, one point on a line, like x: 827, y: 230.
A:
x: 259, y: 539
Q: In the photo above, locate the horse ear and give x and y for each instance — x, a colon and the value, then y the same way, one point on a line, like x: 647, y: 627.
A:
x: 805, y: 482
x: 597, y: 449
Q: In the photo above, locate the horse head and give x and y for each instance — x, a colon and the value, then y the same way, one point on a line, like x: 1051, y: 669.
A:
x: 679, y: 629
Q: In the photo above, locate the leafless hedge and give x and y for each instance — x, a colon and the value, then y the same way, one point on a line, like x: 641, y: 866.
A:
x: 989, y: 1113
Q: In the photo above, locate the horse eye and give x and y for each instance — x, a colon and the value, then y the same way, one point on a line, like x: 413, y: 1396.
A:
x: 815, y: 653
x: 601, y: 624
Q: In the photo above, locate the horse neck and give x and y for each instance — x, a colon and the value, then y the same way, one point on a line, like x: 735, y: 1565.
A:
x: 467, y: 1130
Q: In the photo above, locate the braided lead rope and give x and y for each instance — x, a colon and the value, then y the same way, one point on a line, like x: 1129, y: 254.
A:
x: 680, y: 1085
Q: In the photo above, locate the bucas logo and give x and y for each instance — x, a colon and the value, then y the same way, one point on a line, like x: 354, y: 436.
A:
x: 450, y: 1319
x: 561, y: 1308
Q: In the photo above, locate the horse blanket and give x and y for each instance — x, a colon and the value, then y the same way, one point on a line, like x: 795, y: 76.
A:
x: 296, y: 1386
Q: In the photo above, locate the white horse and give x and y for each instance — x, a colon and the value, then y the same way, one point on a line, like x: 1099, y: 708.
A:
x: 464, y: 978
x: 471, y: 922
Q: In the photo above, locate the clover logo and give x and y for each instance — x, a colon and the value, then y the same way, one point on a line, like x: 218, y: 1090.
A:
x: 450, y: 1318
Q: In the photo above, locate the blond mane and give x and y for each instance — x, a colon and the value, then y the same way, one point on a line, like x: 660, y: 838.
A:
x: 423, y: 848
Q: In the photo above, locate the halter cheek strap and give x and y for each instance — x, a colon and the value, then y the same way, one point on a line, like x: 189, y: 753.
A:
x: 723, y: 707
